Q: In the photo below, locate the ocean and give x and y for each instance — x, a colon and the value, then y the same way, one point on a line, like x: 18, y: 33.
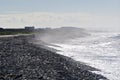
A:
x: 100, y: 50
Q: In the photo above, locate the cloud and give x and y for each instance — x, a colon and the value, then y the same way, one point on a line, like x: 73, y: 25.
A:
x: 44, y: 19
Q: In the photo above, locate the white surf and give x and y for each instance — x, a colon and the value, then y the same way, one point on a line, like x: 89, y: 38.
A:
x: 100, y: 50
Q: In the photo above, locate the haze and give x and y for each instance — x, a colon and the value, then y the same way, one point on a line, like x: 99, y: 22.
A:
x: 89, y: 14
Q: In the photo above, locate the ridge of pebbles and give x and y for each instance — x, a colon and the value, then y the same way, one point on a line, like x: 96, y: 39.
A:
x: 21, y: 60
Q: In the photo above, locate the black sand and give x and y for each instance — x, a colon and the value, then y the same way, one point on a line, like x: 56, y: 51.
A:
x: 21, y: 60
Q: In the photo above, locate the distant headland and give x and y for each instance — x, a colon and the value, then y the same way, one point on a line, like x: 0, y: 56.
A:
x: 12, y: 31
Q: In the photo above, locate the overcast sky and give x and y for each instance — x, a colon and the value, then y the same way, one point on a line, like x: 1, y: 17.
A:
x: 99, y: 14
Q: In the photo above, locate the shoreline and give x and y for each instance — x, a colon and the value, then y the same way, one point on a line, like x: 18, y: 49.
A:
x: 22, y: 60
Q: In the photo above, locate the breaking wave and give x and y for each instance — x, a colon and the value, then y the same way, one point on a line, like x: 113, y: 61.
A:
x: 100, y: 50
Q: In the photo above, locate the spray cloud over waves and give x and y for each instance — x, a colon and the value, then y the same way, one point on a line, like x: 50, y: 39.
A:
x: 62, y: 34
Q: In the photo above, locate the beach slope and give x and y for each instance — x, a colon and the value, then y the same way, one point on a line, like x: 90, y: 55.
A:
x: 22, y: 60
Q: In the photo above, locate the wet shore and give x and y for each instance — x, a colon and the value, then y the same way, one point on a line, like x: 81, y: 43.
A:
x: 22, y: 60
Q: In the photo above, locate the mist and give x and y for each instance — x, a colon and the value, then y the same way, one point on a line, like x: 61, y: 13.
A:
x: 60, y: 35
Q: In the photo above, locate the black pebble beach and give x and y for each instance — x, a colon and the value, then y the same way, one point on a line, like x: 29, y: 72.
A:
x: 22, y: 60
